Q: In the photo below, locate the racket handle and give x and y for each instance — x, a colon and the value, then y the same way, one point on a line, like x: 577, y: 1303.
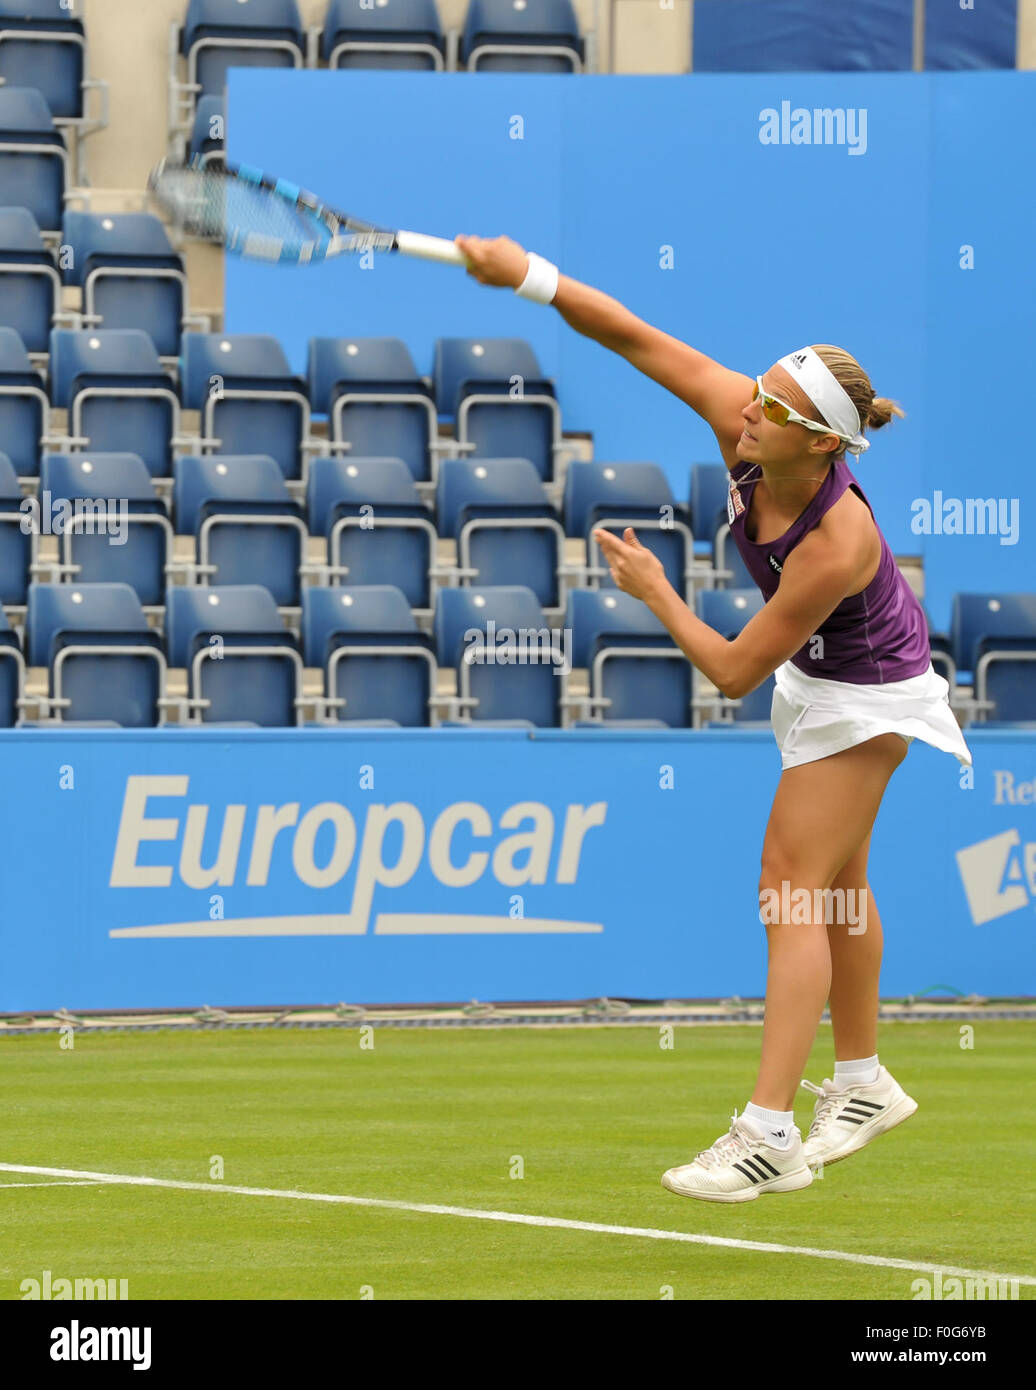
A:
x: 429, y: 248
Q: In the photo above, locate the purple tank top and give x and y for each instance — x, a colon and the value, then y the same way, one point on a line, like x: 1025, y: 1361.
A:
x: 875, y: 636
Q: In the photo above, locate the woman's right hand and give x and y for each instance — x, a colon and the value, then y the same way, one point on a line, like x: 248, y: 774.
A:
x: 494, y: 260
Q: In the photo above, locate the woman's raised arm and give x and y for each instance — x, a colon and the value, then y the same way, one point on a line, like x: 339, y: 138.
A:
x: 715, y: 392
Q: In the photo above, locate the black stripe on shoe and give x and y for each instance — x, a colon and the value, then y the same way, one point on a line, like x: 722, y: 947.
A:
x: 866, y: 1104
x: 756, y: 1166
x: 768, y: 1166
x: 852, y: 1109
x: 748, y: 1172
x: 851, y: 1119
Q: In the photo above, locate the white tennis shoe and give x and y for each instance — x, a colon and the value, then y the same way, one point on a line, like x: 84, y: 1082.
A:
x: 846, y: 1119
x: 740, y: 1166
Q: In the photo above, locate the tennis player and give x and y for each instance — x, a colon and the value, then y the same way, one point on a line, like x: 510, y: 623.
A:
x: 847, y: 642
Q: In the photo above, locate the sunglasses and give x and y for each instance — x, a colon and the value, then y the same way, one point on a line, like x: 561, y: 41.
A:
x: 782, y: 414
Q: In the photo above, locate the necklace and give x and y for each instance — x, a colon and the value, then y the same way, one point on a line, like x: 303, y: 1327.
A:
x: 772, y: 481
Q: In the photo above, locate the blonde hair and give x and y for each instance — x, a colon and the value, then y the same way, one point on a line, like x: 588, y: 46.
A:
x: 874, y: 411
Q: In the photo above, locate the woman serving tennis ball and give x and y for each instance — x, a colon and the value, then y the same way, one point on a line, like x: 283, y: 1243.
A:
x: 847, y: 642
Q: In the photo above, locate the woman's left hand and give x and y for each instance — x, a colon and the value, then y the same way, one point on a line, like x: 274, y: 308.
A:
x: 635, y: 569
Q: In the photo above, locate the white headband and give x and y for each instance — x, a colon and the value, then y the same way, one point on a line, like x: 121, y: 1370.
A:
x: 813, y: 375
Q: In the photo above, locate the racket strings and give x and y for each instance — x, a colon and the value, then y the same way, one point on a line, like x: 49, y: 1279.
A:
x: 218, y: 207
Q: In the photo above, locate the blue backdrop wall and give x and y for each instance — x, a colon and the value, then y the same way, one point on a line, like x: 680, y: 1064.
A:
x: 909, y: 243
x: 230, y: 867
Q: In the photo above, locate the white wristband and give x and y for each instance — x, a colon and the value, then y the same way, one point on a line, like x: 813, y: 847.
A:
x: 541, y: 280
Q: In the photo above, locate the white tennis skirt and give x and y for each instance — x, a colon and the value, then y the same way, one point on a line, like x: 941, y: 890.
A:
x: 814, y: 718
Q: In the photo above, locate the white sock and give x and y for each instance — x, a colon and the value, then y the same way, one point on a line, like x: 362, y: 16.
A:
x: 859, y: 1073
x: 777, y: 1123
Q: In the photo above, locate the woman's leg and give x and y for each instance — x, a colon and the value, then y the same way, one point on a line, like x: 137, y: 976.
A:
x: 822, y: 814
x: 855, y: 968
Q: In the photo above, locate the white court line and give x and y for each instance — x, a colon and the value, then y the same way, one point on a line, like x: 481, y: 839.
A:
x: 518, y: 1219
x: 90, y: 1182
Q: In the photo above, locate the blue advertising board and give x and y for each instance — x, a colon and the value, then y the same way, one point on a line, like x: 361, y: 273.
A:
x: 166, y: 869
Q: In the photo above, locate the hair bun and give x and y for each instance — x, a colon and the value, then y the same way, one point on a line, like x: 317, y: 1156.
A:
x: 881, y: 412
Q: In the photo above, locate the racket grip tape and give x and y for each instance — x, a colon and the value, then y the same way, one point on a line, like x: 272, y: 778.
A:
x: 429, y: 248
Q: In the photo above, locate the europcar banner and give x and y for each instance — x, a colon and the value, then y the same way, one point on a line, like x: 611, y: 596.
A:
x: 172, y: 868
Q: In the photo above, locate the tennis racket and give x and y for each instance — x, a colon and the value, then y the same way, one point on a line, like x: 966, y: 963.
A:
x: 269, y: 219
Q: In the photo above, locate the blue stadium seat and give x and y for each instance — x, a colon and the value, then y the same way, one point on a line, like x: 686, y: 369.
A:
x: 30, y: 287
x: 208, y: 132
x: 612, y: 496
x: 134, y: 543
x: 249, y: 399
x: 636, y: 670
x: 378, y: 529
x: 219, y: 34
x: 33, y: 157
x: 406, y: 34
x: 536, y: 36
x: 710, y: 486
x: 727, y: 611
x: 12, y: 675
x: 377, y: 664
x: 506, y: 530
x: 103, y: 659
x: 24, y: 406
x: 1005, y: 680
x: 377, y: 402
x: 508, y: 662
x: 17, y: 549
x: 978, y: 619
x: 803, y: 36
x: 246, y: 526
x: 942, y: 655
x: 730, y: 570
x: 43, y: 45
x: 129, y: 275
x: 504, y: 406
x: 242, y: 662
x: 119, y: 398
x: 994, y: 637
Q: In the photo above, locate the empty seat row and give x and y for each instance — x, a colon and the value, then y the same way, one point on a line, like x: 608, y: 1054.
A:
x: 869, y: 36
x: 122, y: 397
x: 492, y: 389
x: 105, y: 662
x: 498, y: 36
x: 378, y: 529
